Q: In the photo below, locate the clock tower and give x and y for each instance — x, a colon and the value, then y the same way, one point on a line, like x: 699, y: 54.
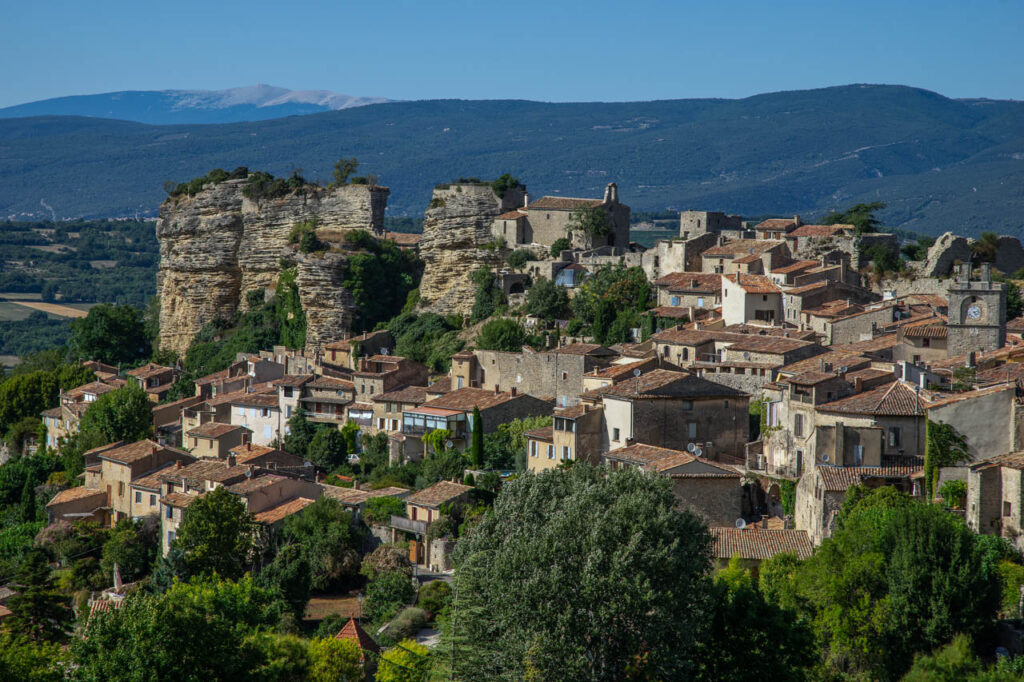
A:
x: 977, y: 312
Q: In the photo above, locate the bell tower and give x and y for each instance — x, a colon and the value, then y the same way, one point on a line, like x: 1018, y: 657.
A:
x: 977, y: 312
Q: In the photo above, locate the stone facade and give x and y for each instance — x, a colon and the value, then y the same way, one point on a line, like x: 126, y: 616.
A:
x: 977, y: 313
x: 549, y: 374
x: 717, y: 500
x: 696, y: 223
x: 217, y: 246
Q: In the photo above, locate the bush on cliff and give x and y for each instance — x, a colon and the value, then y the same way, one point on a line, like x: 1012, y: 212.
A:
x: 380, y: 277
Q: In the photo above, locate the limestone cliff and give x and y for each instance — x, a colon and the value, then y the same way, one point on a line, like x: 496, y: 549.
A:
x: 218, y: 245
x: 455, y: 232
x: 327, y: 304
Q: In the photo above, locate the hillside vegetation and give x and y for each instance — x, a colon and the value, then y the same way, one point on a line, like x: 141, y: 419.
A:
x: 940, y: 164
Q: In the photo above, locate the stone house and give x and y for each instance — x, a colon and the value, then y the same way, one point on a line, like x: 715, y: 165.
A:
x: 821, y: 492
x: 289, y: 396
x: 389, y: 407
x: 541, y: 454
x: 73, y: 404
x: 53, y: 421
x: 786, y: 274
x: 354, y: 499
x: 750, y: 298
x: 547, y: 219
x: 689, y: 290
x: 326, y: 399
x: 345, y: 354
x: 79, y: 504
x: 695, y: 223
x: 995, y: 497
x: 556, y: 373
x: 214, y: 440
x: 167, y: 419
x: 156, y: 380
x: 145, y: 493
x: 725, y: 258
x: 921, y: 344
x: 454, y: 411
x: 710, y: 489
x: 753, y: 544
x: 812, y: 296
x: 839, y: 323
x: 260, y: 413
x: 986, y: 417
x: 265, y: 457
x: 229, y: 380
x: 422, y: 509
x: 379, y: 374
x: 575, y: 435
x: 674, y: 409
x: 613, y: 374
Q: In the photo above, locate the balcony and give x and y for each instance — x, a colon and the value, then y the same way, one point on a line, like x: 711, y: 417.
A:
x: 408, y: 525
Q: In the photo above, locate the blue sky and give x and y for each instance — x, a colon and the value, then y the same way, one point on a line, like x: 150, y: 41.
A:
x: 551, y: 51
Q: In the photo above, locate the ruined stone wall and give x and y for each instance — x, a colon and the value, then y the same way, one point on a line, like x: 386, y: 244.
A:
x: 217, y: 246
x: 456, y: 230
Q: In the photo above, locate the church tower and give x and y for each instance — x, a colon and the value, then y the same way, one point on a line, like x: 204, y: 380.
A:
x: 977, y: 312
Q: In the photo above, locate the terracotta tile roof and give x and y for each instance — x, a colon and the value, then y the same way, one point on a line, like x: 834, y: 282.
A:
x: 697, y: 282
x: 572, y: 412
x: 662, y: 383
x: 874, y: 345
x: 754, y: 284
x: 820, y: 230
x: 213, y: 430
x: 740, y: 247
x: 669, y: 311
x: 807, y: 288
x: 512, y: 215
x: 760, y: 544
x: 255, y: 483
x: 695, y: 337
x: 658, y: 459
x: 839, y: 479
x: 933, y: 399
x: 835, y: 358
x: 93, y: 387
x: 216, y: 376
x: 545, y: 433
x: 133, y: 452
x: 896, y: 399
x: 197, y: 473
x: 584, y: 349
x: 465, y: 399
x: 283, y: 510
x: 810, y: 378
x: 256, y: 400
x: 346, y: 344
x: 438, y: 494
x: 1016, y: 325
x: 150, y: 481
x: 870, y: 374
x: 1010, y: 460
x: 251, y: 450
x: 760, y: 330
x: 933, y: 300
x: 752, y: 258
x: 1011, y: 371
x: 775, y: 224
x: 148, y: 370
x: 179, y: 500
x: 926, y: 332
x: 441, y: 386
x: 294, y: 380
x: 562, y: 203
x: 796, y: 266
x: 53, y: 413
x: 623, y: 371
x: 768, y: 344
x: 227, y: 398
x: 72, y: 494
x: 334, y: 383
x: 354, y: 497
x: 355, y: 633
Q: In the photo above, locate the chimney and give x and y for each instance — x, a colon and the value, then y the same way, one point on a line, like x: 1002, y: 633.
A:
x: 153, y: 448
x: 177, y: 464
x: 513, y: 391
x: 858, y: 384
x: 497, y: 389
x: 526, y: 199
x: 608, y: 193
x: 797, y: 221
x: 970, y: 359
x: 232, y: 460
x: 922, y: 381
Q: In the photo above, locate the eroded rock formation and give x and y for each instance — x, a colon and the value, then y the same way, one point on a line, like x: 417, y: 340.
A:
x: 218, y: 245
x: 456, y: 233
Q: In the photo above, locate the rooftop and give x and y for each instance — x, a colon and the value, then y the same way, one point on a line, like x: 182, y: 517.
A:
x: 741, y: 247
x: 213, y: 430
x: 760, y: 543
x: 754, y: 284
x: 663, y: 383
x: 896, y: 399
x: 179, y: 500
x: 465, y: 399
x: 438, y: 494
x: 584, y: 349
x: 150, y: 369
x: 134, y: 452
x: 562, y: 203
x: 256, y: 483
x: 545, y: 433
x: 839, y: 479
x: 697, y: 282
x: 820, y: 230
x: 72, y: 494
x: 658, y: 459
x: 796, y: 266
x: 283, y: 510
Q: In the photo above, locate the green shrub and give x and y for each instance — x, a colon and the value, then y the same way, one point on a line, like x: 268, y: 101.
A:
x: 435, y: 596
x: 408, y: 622
x: 954, y: 494
x: 518, y: 258
x: 560, y: 245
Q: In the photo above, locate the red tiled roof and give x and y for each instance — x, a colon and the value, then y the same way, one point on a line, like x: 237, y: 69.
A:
x: 562, y: 203
x: 795, y: 267
x: 775, y: 224
x: 283, y: 510
x: 254, y: 484
x: 624, y: 370
x: 760, y: 543
x: 739, y: 248
x: 1010, y: 460
x: 213, y: 430
x: 511, y: 215
x: 72, y: 494
x: 545, y: 433
x: 583, y: 349
x: 893, y: 400
x: 839, y: 479
x: 820, y: 230
x: 180, y: 500
x: 698, y: 282
x: 807, y: 288
x: 133, y: 452
x: 658, y: 459
x: 464, y: 399
x: 354, y: 632
x: 926, y: 332
x: 438, y: 494
x: 754, y: 284
x: 663, y: 383
x: 149, y: 370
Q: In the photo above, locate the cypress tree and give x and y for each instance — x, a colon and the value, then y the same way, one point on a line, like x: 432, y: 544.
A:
x: 477, y: 451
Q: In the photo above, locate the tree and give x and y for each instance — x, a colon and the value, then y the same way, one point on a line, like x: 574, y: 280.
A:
x: 593, y: 221
x: 216, y: 535
x: 547, y: 300
x: 518, y: 258
x: 501, y: 334
x: 114, y: 334
x: 487, y: 297
x: 604, y: 533
x: 22, y: 429
x: 125, y: 414
x: 406, y: 662
x: 27, y: 661
x: 895, y: 581
x: 200, y: 630
x: 327, y: 449
x: 343, y: 168
x: 861, y: 216
x: 944, y: 447
x: 559, y: 245
x: 284, y: 657
x: 29, y: 508
x: 505, y: 447
x: 289, y: 575
x: 132, y: 546
x: 386, y: 594
x: 625, y: 288
x: 350, y: 432
x: 504, y: 183
x: 435, y: 597
x: 329, y: 541
x: 334, y: 660
x: 300, y: 433
x: 746, y: 633
x: 380, y: 509
x: 38, y: 611
x: 386, y: 559
x: 985, y: 247
x: 477, y: 451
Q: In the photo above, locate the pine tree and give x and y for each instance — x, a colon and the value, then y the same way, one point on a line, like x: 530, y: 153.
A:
x: 477, y: 451
x: 39, y: 612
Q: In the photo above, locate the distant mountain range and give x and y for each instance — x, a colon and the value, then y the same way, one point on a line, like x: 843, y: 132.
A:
x: 251, y: 103
x: 940, y: 164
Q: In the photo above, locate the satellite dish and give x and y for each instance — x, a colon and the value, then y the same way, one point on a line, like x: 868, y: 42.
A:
x: 690, y: 447
x: 448, y: 445
x: 746, y: 355
x: 636, y: 372
x: 824, y: 458
x: 384, y: 351
x: 698, y: 452
x: 741, y: 524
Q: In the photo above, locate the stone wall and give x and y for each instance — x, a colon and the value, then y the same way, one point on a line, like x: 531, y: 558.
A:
x: 717, y: 500
x: 217, y: 246
x: 456, y: 230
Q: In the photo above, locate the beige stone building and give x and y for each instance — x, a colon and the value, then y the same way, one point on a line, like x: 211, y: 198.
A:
x: 389, y: 407
x: 995, y: 497
x: 744, y: 255
x: 689, y: 290
x: 214, y: 440
x: 156, y: 380
x: 750, y: 298
x: 345, y: 353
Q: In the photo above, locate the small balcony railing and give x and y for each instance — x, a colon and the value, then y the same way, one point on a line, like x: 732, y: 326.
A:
x: 409, y: 525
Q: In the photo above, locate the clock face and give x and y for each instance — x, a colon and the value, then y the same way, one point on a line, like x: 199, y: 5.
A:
x: 974, y: 312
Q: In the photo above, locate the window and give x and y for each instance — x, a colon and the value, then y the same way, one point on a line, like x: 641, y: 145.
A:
x: 170, y: 536
x: 170, y: 512
x: 686, y: 354
x: 664, y: 351
x: 551, y: 452
x: 691, y: 430
x: 566, y: 452
x: 675, y: 300
x: 686, y: 405
x: 858, y: 455
x: 926, y: 342
x: 288, y: 411
x: 798, y: 425
x: 894, y: 436
x: 138, y: 497
x: 727, y: 404
x: 120, y: 488
x: 152, y: 500
x: 764, y: 297
x: 1007, y: 509
x: 265, y: 412
x: 615, y: 435
x: 287, y: 391
x: 565, y: 375
x: 533, y: 448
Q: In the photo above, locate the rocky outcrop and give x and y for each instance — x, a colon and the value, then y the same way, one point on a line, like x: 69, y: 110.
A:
x: 217, y: 246
x: 455, y: 233
x: 328, y: 306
